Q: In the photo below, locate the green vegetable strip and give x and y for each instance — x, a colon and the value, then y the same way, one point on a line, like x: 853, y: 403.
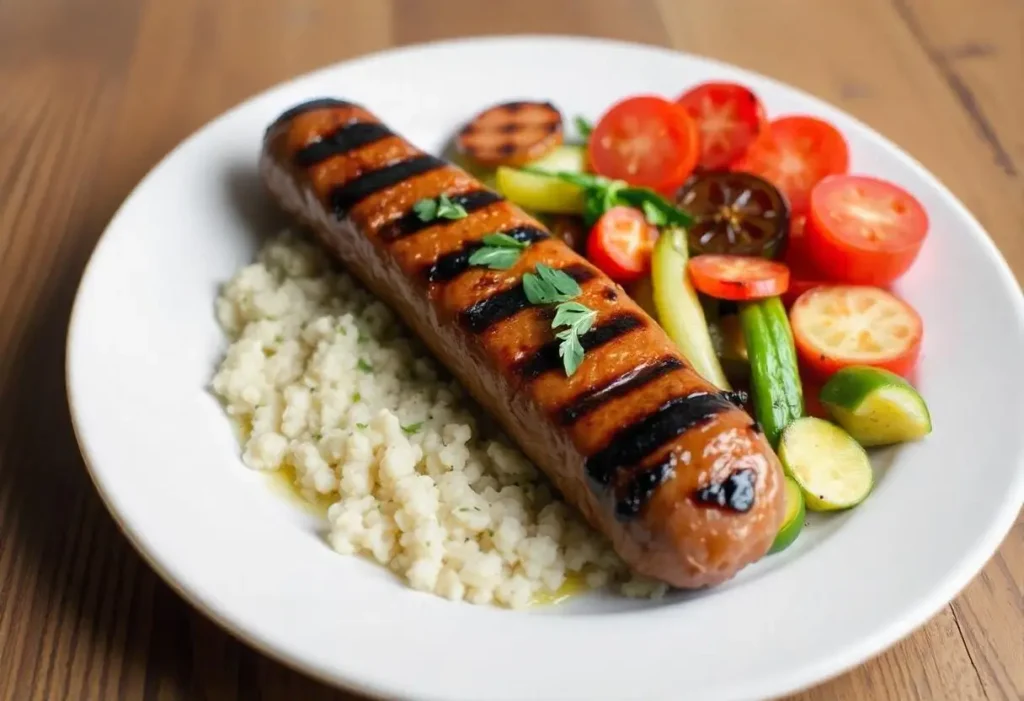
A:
x: 774, y: 377
x: 679, y: 310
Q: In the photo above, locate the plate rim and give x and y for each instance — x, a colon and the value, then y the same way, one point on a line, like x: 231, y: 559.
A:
x: 796, y: 678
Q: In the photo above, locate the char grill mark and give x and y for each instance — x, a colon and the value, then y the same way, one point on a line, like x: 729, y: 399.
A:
x: 735, y: 493
x: 451, y: 265
x: 547, y: 359
x: 633, y: 495
x: 344, y: 139
x: 344, y: 197
x: 482, y: 315
x: 593, y: 399
x: 631, y: 444
x: 410, y: 223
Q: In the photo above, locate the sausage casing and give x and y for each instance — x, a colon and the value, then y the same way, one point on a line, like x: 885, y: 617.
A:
x: 675, y: 474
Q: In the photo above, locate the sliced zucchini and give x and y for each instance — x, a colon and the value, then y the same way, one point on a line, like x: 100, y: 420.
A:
x: 832, y: 469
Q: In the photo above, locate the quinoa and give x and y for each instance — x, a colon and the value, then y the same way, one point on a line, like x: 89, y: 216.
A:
x: 327, y: 385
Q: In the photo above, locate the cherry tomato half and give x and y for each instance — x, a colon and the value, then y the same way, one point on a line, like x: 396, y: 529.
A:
x: 738, y: 278
x: 863, y: 230
x: 795, y: 154
x: 729, y: 117
x: 839, y: 325
x: 620, y: 244
x: 646, y: 141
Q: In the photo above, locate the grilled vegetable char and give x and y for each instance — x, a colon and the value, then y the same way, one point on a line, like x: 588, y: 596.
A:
x: 675, y: 474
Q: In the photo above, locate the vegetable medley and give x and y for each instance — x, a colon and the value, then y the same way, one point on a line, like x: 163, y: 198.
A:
x: 767, y: 262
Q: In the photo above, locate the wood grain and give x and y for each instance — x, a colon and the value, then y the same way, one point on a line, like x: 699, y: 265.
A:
x: 94, y: 92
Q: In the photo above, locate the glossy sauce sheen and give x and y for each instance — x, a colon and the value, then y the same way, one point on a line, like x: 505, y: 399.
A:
x: 650, y: 453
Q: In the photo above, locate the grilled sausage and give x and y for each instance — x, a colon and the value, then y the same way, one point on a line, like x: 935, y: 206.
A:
x: 675, y: 474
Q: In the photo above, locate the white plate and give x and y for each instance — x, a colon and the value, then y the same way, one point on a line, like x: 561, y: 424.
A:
x: 143, y: 342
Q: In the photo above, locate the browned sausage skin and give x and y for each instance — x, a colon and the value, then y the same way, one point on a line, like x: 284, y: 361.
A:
x: 678, y: 477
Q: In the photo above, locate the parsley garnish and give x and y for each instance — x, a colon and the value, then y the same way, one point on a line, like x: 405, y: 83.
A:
x: 441, y: 208
x: 578, y: 319
x: 550, y: 286
x: 601, y: 194
x: 584, y: 127
x: 356, y: 397
x: 499, y: 252
x: 412, y: 428
x: 362, y: 426
x: 653, y: 215
x: 364, y: 366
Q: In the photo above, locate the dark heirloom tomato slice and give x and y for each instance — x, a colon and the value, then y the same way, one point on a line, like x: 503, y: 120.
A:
x: 735, y: 213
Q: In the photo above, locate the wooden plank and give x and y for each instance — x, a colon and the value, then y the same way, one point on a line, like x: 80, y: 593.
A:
x: 974, y: 50
x: 991, y: 618
x: 630, y: 20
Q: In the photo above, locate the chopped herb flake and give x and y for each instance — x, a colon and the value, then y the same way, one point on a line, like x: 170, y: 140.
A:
x: 441, y: 208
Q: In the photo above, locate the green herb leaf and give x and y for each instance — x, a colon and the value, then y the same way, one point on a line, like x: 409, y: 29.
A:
x: 426, y: 209
x: 584, y: 180
x: 575, y: 315
x: 501, y: 240
x: 584, y: 127
x: 356, y: 397
x: 637, y: 196
x: 441, y: 208
x: 495, y: 258
x: 535, y: 290
x: 579, y: 319
x: 412, y: 428
x: 564, y: 285
x: 653, y: 215
x: 549, y: 286
x: 571, y: 353
x: 601, y: 194
x: 446, y: 209
x: 364, y: 366
x: 362, y: 426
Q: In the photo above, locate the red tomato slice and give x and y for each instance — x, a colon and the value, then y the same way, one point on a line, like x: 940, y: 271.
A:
x: 863, y: 230
x: 797, y: 287
x: 646, y: 141
x: 729, y: 117
x: 839, y: 325
x: 803, y: 274
x: 620, y: 244
x: 738, y: 278
x: 794, y: 154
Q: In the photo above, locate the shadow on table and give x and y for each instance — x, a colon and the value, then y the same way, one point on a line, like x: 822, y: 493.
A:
x: 84, y: 614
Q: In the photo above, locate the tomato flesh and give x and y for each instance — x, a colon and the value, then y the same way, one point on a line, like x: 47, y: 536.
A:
x: 795, y: 154
x: 863, y: 230
x: 646, y: 141
x: 835, y: 326
x: 729, y: 117
x: 738, y: 278
x: 620, y: 244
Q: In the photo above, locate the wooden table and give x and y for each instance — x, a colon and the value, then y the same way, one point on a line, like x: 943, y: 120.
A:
x: 94, y: 92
